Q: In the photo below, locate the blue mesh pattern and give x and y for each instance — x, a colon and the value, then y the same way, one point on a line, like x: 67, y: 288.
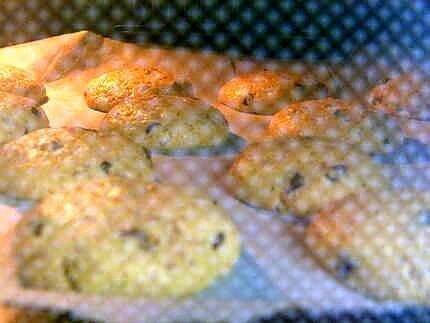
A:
x: 366, y: 35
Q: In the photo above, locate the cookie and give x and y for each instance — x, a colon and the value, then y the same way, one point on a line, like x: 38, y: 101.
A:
x: 301, y: 175
x: 342, y: 121
x: 377, y: 243
x: 50, y: 159
x: 407, y: 95
x: 169, y: 122
x: 123, y: 237
x: 268, y: 92
x: 19, y: 82
x: 129, y: 84
x: 19, y: 116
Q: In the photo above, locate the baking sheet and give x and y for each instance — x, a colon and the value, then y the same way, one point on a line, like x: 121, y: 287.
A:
x: 274, y: 272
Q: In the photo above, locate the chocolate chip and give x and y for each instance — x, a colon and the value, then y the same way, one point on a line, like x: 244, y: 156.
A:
x: 36, y: 112
x: 249, y: 99
x: 26, y: 131
x: 341, y: 115
x: 151, y: 127
x: 424, y: 217
x: 184, y: 87
x: 219, y: 240
x: 106, y: 166
x: 146, y: 152
x: 300, y: 85
x: 36, y: 227
x: 384, y: 80
x: 55, y: 145
x: 296, y: 182
x: 345, y: 266
x: 52, y: 146
x: 377, y: 100
x: 336, y: 172
x: 67, y: 266
x: 145, y: 242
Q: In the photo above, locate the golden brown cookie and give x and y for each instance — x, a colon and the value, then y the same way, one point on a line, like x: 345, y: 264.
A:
x: 342, y: 121
x: 122, y: 237
x: 50, y: 159
x: 169, y: 122
x: 19, y: 116
x: 407, y: 95
x: 301, y: 175
x: 268, y: 92
x: 19, y: 82
x: 129, y: 84
x: 377, y: 243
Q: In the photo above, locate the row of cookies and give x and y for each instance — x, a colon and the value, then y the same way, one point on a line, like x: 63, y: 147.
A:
x: 333, y: 173
x: 98, y: 201
x: 148, y: 110
x: 315, y: 163
x: 369, y: 235
x: 104, y: 224
x: 267, y: 92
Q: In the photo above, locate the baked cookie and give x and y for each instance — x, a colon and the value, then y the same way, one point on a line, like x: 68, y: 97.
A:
x: 169, y: 122
x: 19, y: 82
x: 342, y: 121
x: 50, y: 159
x: 301, y: 175
x: 407, y: 95
x: 129, y: 84
x: 377, y: 243
x: 19, y: 116
x: 268, y: 92
x: 123, y: 237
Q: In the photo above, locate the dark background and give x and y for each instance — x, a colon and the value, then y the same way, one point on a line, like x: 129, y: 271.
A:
x: 311, y: 30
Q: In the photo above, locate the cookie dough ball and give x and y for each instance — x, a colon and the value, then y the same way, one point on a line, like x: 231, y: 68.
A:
x: 122, y: 237
x: 50, y: 159
x: 19, y: 116
x: 129, y: 84
x: 19, y: 82
x: 377, y: 243
x: 301, y: 175
x: 370, y: 131
x: 407, y: 95
x: 169, y: 122
x: 268, y: 92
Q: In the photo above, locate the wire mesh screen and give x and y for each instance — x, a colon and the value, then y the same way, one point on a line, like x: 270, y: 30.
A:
x: 205, y: 161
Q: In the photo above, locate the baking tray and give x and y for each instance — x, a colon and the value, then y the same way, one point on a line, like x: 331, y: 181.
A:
x: 257, y: 286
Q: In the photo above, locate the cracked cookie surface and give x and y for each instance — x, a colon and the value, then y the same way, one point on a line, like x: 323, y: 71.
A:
x: 129, y: 84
